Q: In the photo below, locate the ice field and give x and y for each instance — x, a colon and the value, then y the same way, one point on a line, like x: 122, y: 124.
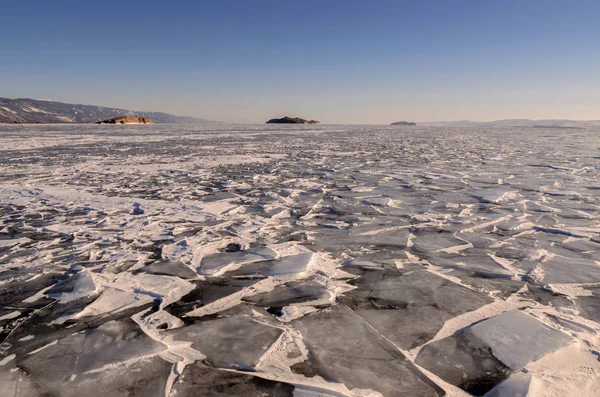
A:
x: 228, y: 260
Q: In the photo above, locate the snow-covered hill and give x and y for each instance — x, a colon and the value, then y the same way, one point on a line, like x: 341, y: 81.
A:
x: 25, y: 110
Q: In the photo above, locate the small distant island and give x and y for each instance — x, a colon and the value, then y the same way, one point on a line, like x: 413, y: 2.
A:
x: 404, y: 123
x: 292, y: 120
x: 127, y: 120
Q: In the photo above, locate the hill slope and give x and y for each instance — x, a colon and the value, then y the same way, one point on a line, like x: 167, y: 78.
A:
x: 25, y: 110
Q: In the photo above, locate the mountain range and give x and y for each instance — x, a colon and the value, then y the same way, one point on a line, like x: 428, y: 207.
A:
x: 559, y: 123
x: 25, y: 110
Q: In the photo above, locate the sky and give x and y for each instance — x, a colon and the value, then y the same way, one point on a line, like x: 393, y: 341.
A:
x: 349, y: 62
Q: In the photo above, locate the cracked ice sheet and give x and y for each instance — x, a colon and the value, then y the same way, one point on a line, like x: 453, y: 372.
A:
x: 160, y: 222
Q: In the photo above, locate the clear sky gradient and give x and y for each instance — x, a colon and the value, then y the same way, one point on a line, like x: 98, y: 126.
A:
x: 347, y: 61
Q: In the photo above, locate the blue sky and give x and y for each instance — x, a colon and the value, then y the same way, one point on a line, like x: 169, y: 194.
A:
x: 346, y: 61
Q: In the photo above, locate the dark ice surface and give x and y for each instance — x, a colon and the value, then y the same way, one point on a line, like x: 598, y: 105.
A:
x: 589, y: 305
x: 516, y: 386
x: 358, y: 356
x: 206, y: 292
x: 91, y: 362
x: 200, y: 379
x: 390, y: 301
x: 227, y: 260
x: 146, y: 377
x: 480, y: 356
x: 232, y: 340
x: 290, y: 293
x: 169, y: 268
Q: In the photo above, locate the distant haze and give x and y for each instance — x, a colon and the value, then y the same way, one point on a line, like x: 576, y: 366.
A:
x: 334, y: 61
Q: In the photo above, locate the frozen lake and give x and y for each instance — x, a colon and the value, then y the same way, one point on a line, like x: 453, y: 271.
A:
x: 185, y: 260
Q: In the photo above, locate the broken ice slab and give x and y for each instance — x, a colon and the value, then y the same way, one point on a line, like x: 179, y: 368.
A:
x: 337, y: 241
x: 53, y: 322
x: 464, y: 361
x: 374, y: 260
x: 478, y: 270
x: 493, y: 195
x: 229, y: 340
x: 498, y: 285
x: 17, y: 293
x: 10, y: 320
x: 546, y: 296
x: 40, y: 325
x: 436, y: 241
x: 91, y: 361
x: 286, y: 266
x: 513, y: 252
x: 144, y: 377
x: 562, y: 270
x: 537, y: 207
x: 290, y: 293
x: 112, y: 342
x: 207, y: 291
x: 409, y: 309
x: 514, y: 226
x: 517, y: 385
x: 212, y: 264
x: 530, y: 184
x: 343, y: 348
x: 348, y: 210
x: 78, y: 285
x: 589, y: 306
x: 479, y: 240
x: 168, y: 268
x: 472, y: 259
x: 379, y: 201
x: 582, y: 245
x: 568, y: 251
x: 482, y: 355
x: 200, y: 379
x: 518, y: 338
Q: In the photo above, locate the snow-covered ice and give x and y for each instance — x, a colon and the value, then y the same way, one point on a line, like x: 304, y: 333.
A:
x: 286, y: 260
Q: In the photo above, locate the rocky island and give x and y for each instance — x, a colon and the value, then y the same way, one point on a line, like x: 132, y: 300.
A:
x: 127, y: 120
x: 404, y: 123
x: 292, y: 120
